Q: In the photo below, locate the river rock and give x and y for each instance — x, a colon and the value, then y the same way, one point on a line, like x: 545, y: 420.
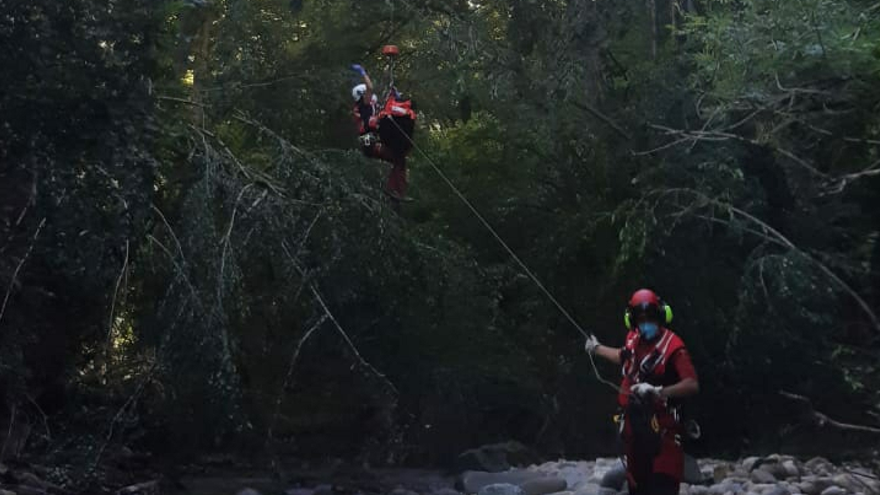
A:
x: 614, y: 478
x: 720, y: 472
x: 791, y: 469
x: 849, y: 482
x: 402, y: 491
x: 544, y: 485
x: 775, y: 468
x: 823, y: 482
x: 501, y: 489
x: 760, y: 487
x: 725, y: 488
x: 587, y: 489
x: 473, y: 481
x: 692, y: 473
x: 866, y: 480
x: 698, y: 490
x: 6, y: 492
x: 760, y: 475
x: 808, y: 488
x: 777, y: 490
x: 834, y: 490
x: 737, y: 479
x: 749, y: 463
x: 446, y: 491
x: 495, y: 457
x: 247, y: 491
x: 819, y: 465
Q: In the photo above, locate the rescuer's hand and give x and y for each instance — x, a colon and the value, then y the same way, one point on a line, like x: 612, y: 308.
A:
x: 591, y: 344
x: 646, y: 390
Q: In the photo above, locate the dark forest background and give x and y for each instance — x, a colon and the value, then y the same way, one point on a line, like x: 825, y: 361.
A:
x: 183, y: 207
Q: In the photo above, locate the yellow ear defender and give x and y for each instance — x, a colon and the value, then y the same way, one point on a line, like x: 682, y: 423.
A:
x: 664, y: 308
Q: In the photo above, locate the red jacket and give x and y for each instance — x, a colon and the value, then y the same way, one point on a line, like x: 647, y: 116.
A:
x: 650, y: 364
x: 658, y: 363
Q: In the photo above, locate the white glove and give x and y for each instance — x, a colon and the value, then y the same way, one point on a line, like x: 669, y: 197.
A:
x: 591, y: 344
x: 646, y: 390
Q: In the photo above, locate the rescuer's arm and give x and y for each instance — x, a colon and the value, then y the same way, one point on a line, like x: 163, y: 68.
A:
x: 592, y: 346
x: 689, y: 384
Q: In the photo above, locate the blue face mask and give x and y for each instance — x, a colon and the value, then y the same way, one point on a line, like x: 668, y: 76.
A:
x: 648, y: 329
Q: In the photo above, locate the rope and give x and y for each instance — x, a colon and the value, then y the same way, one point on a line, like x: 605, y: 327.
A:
x: 509, y: 250
x: 494, y: 233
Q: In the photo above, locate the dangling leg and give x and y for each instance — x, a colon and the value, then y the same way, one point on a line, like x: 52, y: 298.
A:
x: 396, y: 186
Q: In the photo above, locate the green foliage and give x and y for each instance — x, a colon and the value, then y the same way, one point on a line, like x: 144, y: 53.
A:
x: 180, y: 186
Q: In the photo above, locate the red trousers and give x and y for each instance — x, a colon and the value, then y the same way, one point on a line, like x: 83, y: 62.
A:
x: 643, y: 470
x: 396, y: 184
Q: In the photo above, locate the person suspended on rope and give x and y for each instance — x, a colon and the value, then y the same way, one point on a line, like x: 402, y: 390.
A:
x: 657, y: 374
x: 366, y: 114
x: 385, y: 131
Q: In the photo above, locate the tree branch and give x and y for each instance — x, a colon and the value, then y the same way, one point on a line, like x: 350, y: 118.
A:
x: 603, y: 118
x: 345, y: 337
x: 771, y: 233
x: 822, y: 420
x: 18, y: 268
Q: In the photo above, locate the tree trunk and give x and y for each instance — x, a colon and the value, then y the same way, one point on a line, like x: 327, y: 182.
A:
x: 200, y: 70
x: 652, y: 13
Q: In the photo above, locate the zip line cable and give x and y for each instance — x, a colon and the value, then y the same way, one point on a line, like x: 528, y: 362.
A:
x: 494, y: 233
x: 509, y: 250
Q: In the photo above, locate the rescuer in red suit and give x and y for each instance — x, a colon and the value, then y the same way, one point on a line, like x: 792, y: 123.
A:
x: 657, y: 374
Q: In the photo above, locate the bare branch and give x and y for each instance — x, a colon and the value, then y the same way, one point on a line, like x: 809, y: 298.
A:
x: 604, y: 118
x: 148, y: 376
x: 363, y: 362
x: 685, y: 135
x: 181, y: 100
x: 42, y: 414
x: 288, y: 378
x: 13, y: 410
x: 845, y: 180
x: 115, y: 293
x: 771, y: 233
x: 664, y: 147
x: 18, y: 268
x: 821, y: 420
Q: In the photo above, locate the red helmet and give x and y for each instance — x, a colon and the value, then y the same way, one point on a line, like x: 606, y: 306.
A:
x: 643, y: 298
x: 646, y: 302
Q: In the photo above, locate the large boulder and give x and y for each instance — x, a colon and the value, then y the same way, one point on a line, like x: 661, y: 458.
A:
x: 495, y: 457
x: 614, y: 478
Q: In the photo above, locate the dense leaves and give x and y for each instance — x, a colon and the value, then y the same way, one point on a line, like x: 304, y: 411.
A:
x: 191, y: 239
